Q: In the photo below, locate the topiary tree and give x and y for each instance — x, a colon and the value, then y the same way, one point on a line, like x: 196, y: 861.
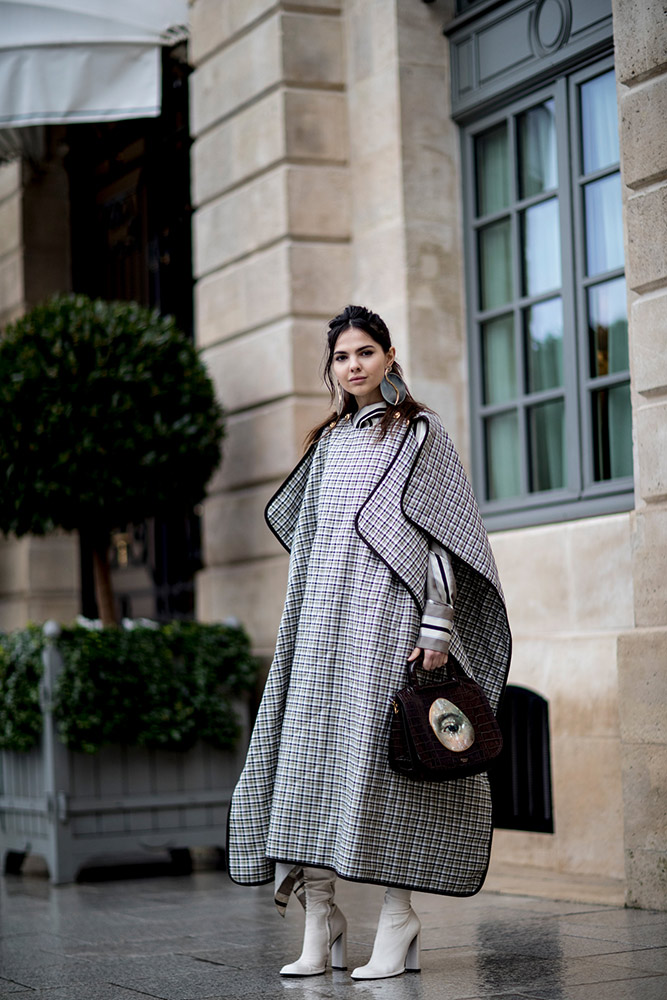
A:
x: 107, y: 417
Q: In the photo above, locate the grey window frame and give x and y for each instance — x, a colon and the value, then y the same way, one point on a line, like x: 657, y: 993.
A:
x: 582, y: 496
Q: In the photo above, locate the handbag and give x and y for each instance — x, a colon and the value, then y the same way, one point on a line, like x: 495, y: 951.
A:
x: 442, y: 731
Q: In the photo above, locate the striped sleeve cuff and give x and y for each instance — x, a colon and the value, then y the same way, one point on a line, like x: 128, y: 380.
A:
x: 436, y: 627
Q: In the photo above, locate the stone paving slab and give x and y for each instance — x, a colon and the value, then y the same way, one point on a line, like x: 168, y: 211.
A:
x: 200, y: 937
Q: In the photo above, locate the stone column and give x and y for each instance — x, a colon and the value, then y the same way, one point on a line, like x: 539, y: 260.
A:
x: 640, y: 36
x: 271, y: 234
x: 39, y: 577
x: 11, y: 242
x: 406, y: 218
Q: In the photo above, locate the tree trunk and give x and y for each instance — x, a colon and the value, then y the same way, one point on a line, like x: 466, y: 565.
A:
x: 103, y: 590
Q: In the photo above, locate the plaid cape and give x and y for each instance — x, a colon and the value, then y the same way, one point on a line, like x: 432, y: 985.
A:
x: 357, y: 514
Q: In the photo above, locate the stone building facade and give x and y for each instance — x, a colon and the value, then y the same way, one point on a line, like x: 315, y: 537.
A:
x: 329, y: 166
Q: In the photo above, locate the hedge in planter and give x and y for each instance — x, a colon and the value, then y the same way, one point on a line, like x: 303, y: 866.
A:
x: 159, y: 687
x: 20, y: 674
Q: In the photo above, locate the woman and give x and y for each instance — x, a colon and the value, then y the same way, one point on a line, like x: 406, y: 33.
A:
x: 383, y: 532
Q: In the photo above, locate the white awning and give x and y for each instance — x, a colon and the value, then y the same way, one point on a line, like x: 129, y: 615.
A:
x: 83, y: 60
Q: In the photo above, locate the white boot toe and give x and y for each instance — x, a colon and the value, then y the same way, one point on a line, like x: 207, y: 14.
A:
x: 325, y: 931
x: 396, y: 947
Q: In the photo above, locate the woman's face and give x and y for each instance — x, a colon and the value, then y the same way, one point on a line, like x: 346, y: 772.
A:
x: 359, y: 365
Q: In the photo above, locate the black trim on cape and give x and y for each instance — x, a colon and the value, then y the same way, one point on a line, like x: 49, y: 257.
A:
x: 450, y: 515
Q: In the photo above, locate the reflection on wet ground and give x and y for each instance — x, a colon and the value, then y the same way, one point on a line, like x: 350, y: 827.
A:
x: 197, y: 937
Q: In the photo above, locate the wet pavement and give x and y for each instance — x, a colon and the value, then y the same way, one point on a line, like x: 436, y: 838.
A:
x: 200, y: 937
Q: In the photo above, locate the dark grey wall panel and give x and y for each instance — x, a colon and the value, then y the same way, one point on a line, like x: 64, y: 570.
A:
x: 498, y: 52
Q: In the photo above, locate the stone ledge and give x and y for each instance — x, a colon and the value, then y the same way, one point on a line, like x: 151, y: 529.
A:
x: 237, y: 74
x: 640, y: 38
x: 646, y: 212
x: 651, y: 430
x: 215, y: 24
x: 643, y: 116
x: 648, y: 319
x: 543, y: 883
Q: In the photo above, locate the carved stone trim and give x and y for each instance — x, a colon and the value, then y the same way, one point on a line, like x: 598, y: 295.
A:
x: 542, y: 46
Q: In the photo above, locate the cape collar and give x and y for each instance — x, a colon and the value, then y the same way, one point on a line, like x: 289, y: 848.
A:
x: 369, y: 415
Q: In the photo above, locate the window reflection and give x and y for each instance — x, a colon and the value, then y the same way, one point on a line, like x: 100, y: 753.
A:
x: 547, y: 446
x: 544, y: 345
x: 612, y: 429
x: 493, y: 187
x: 499, y: 366
x: 541, y: 248
x: 599, y: 123
x: 604, y: 225
x: 608, y: 328
x: 538, y: 164
x: 495, y: 257
x: 502, y: 456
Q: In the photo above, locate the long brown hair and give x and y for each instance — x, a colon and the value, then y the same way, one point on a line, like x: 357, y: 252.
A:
x: 361, y: 319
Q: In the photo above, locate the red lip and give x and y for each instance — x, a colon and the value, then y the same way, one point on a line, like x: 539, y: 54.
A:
x: 361, y: 378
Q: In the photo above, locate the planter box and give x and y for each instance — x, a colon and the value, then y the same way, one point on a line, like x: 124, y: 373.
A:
x: 71, y: 807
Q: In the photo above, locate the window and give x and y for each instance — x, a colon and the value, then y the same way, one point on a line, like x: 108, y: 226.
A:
x: 550, y: 381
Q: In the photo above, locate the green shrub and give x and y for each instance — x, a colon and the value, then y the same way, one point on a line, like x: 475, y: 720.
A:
x: 107, y: 417
x: 163, y: 687
x: 20, y: 674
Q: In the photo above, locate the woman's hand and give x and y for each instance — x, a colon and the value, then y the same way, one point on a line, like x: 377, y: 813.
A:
x: 432, y: 659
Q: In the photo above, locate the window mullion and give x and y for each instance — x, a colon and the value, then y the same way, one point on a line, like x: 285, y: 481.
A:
x: 478, y: 447
x: 580, y: 318
x: 570, y: 356
x: 519, y: 356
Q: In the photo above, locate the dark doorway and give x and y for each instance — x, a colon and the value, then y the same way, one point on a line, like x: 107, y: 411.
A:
x: 521, y: 777
x: 131, y: 239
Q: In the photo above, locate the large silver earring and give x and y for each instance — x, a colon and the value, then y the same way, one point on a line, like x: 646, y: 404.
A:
x: 393, y: 388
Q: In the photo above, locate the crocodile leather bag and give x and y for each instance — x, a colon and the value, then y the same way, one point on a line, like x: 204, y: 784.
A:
x: 442, y: 731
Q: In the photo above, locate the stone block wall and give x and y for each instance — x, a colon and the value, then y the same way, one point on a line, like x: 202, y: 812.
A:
x: 640, y: 38
x: 271, y: 235
x: 570, y: 598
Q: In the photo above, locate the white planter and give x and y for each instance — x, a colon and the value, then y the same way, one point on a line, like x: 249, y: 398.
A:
x: 71, y: 807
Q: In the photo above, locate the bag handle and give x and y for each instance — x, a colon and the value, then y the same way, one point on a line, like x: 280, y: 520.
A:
x: 412, y: 666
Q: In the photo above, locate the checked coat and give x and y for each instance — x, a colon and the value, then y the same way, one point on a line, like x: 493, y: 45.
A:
x: 357, y: 515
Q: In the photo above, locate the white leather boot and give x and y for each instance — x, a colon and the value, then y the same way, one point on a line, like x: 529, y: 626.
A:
x: 326, y: 927
x: 396, y: 948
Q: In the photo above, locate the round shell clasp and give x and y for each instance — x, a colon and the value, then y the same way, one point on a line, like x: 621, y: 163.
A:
x: 452, y: 727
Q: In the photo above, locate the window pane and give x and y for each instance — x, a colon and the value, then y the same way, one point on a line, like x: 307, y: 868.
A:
x: 499, y: 366
x: 604, y: 225
x: 547, y: 446
x: 493, y: 179
x: 538, y: 164
x: 502, y: 456
x: 541, y: 248
x: 608, y: 328
x: 543, y: 325
x: 612, y: 427
x: 495, y: 259
x: 599, y: 122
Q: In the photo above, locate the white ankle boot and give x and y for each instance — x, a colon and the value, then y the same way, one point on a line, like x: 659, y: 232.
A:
x: 326, y: 927
x: 396, y: 948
